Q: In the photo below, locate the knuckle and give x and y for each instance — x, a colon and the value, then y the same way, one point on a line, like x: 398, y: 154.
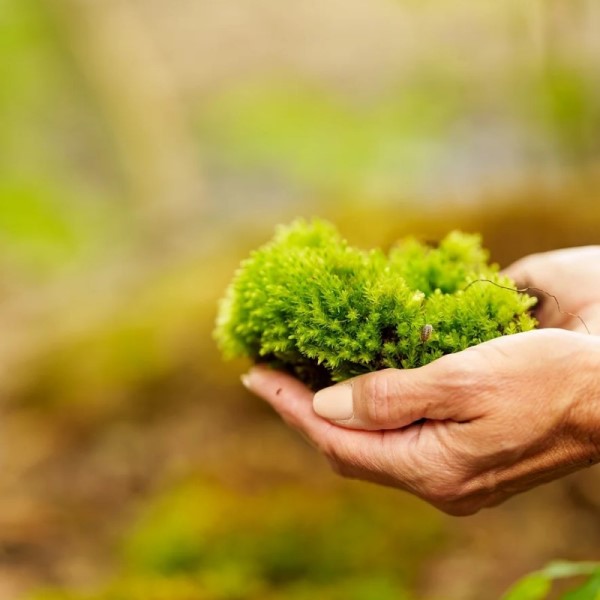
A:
x: 460, y: 373
x: 443, y: 493
x: 485, y: 485
x: 376, y: 398
x: 447, y: 491
x: 465, y: 499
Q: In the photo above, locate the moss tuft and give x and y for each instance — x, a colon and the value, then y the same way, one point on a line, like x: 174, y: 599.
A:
x: 310, y: 303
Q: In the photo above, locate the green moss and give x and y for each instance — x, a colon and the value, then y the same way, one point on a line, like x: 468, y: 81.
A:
x: 201, y: 540
x: 200, y: 527
x: 310, y: 303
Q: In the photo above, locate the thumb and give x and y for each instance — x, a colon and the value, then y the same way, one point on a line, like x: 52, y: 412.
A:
x: 393, y: 398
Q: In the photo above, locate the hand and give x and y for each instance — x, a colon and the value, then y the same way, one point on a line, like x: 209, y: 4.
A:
x: 573, y: 276
x: 464, y: 432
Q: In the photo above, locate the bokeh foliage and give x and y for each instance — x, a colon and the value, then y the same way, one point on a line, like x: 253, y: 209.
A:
x: 203, y: 540
x: 54, y: 181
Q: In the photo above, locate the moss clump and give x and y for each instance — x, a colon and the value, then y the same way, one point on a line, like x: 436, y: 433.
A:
x: 310, y: 303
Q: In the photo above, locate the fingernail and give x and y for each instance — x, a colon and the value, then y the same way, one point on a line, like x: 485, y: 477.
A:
x: 334, y: 403
x: 246, y: 380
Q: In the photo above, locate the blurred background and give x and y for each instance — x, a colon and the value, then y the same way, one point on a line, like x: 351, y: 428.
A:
x: 145, y: 147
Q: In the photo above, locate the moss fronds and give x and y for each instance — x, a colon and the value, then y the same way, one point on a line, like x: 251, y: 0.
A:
x: 309, y: 302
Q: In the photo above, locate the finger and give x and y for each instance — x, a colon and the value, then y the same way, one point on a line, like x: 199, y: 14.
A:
x: 293, y: 401
x: 525, y: 272
x: 587, y: 321
x: 543, y: 268
x: 533, y: 275
x: 290, y: 398
x: 396, y: 398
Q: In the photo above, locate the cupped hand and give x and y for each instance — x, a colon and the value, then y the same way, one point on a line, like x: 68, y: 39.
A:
x: 464, y: 432
x: 573, y: 277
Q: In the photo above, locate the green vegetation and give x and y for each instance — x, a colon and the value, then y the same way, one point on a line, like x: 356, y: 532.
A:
x: 205, y: 541
x: 311, y: 303
x: 327, y: 141
x: 538, y: 585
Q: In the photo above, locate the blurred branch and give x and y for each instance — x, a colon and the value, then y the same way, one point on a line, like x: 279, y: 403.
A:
x: 117, y: 55
x: 130, y: 82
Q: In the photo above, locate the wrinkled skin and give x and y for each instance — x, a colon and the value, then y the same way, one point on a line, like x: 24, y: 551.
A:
x: 473, y: 428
